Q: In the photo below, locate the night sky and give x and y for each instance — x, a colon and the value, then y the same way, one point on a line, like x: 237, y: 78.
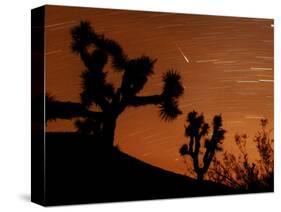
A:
x: 226, y: 64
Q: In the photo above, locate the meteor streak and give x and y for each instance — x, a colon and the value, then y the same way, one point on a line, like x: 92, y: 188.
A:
x: 182, y: 53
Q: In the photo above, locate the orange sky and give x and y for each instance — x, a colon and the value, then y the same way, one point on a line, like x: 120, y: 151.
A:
x: 226, y: 64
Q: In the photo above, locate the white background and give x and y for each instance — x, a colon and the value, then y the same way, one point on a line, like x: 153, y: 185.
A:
x: 15, y: 104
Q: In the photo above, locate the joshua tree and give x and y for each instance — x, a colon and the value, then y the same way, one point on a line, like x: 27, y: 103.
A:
x: 195, y: 131
x: 104, y: 99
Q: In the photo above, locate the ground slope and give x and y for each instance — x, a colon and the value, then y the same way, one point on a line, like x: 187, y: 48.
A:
x: 78, y: 171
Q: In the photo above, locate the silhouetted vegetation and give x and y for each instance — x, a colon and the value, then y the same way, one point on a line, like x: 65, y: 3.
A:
x: 102, y: 102
x: 239, y: 172
x: 195, y: 131
x: 66, y: 110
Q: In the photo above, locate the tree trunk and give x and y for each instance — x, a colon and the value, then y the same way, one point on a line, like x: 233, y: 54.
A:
x: 200, y: 176
x: 108, y: 132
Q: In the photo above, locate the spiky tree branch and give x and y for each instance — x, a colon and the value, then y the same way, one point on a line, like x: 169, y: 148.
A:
x: 144, y: 100
x: 65, y: 110
x: 135, y: 75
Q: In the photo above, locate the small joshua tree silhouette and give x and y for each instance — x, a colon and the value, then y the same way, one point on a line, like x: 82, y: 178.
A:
x: 195, y: 131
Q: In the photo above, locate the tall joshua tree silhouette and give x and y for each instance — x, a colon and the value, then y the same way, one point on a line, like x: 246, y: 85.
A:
x: 95, y: 52
x: 195, y: 131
